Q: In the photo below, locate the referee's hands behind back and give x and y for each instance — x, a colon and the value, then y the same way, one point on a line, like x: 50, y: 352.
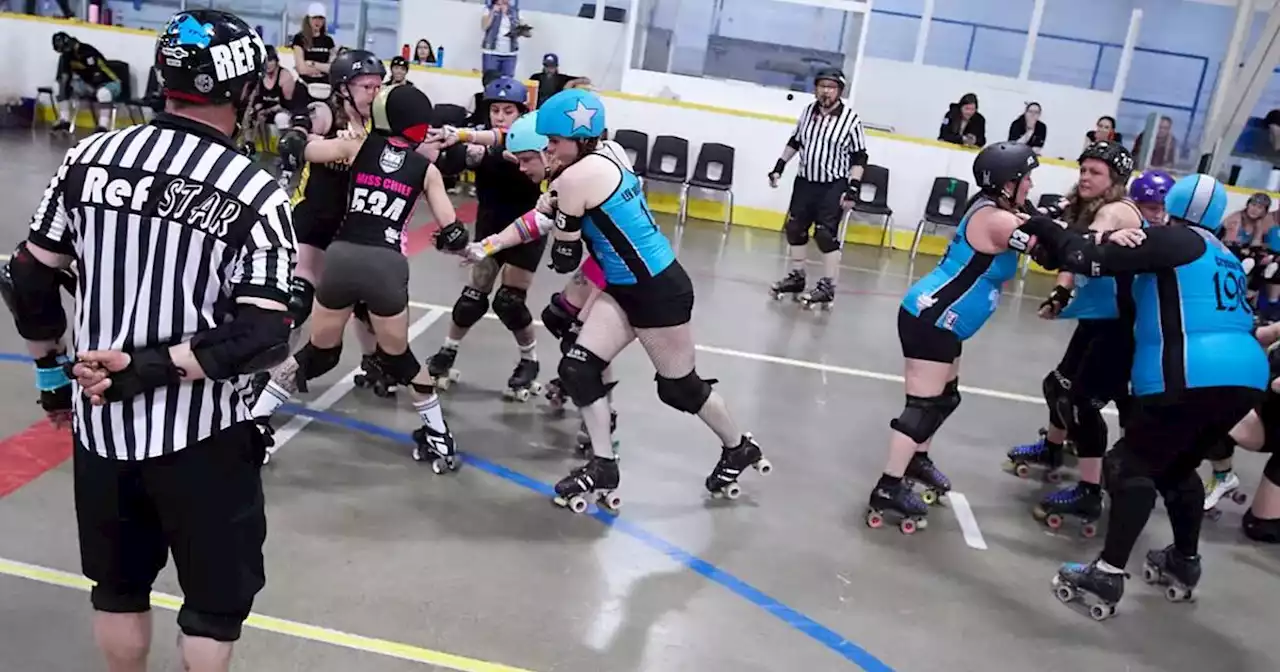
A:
x: 93, y: 369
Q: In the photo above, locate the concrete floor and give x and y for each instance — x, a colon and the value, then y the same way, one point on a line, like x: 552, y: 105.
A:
x: 365, y: 542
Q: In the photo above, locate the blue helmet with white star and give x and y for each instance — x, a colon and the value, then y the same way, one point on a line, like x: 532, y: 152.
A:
x: 1198, y: 200
x: 572, y: 113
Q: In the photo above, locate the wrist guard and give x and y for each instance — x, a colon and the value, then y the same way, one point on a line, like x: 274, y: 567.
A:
x: 853, y: 190
x: 292, y: 148
x: 779, y: 167
x: 452, y: 238
x: 148, y: 369
x: 1058, y: 299
x: 53, y: 383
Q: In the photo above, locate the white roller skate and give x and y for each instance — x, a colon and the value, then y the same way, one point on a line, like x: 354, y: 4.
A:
x: 436, y: 447
x: 1221, y: 486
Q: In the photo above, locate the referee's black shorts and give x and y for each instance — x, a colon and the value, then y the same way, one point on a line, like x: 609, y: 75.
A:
x: 816, y: 205
x: 203, y: 503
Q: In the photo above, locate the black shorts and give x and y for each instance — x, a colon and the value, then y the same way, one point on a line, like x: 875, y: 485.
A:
x: 316, y: 224
x: 526, y: 256
x: 203, y: 503
x: 1269, y: 414
x: 815, y: 204
x: 373, y: 275
x: 1099, y: 360
x: 1171, y: 434
x: 925, y: 341
x: 665, y: 300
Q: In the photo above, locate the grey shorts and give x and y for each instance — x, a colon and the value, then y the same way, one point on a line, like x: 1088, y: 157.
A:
x: 375, y: 276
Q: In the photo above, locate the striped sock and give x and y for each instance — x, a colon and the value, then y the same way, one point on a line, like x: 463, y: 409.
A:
x: 530, y: 351
x: 272, y: 398
x: 429, y: 411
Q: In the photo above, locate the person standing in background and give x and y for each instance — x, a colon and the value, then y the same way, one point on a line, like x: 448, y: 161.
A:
x: 1028, y: 129
x: 551, y: 81
x: 833, y: 151
x: 1165, y: 151
x: 502, y: 32
x: 313, y: 49
x: 964, y: 125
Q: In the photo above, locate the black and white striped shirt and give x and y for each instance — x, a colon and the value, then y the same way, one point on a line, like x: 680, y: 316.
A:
x: 828, y: 142
x: 167, y: 225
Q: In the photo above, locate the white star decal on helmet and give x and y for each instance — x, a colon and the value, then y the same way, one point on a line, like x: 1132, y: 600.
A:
x: 581, y: 116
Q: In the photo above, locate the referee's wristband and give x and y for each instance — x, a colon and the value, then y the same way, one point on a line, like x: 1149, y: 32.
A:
x: 147, y: 370
x: 853, y: 189
x: 779, y: 167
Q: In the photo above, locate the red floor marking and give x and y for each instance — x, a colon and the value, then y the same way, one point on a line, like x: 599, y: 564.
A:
x: 31, y: 452
x: 420, y: 237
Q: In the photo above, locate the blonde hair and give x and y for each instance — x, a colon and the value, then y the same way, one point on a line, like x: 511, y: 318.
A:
x: 1079, y: 214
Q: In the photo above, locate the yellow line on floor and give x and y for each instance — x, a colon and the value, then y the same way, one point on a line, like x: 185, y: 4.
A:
x: 279, y: 626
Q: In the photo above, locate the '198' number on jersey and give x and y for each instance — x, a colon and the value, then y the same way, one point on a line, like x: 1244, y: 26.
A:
x: 1230, y: 292
x: 375, y: 203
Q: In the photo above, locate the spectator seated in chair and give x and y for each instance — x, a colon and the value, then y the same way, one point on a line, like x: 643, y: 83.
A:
x: 83, y: 74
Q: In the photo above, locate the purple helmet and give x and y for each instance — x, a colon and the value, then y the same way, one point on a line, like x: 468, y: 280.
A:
x: 1150, y: 187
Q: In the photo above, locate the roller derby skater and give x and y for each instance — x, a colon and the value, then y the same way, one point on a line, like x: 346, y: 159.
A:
x: 1184, y: 398
x: 83, y: 74
x: 504, y: 195
x: 1245, y: 232
x: 833, y: 153
x: 365, y: 264
x: 1255, y: 432
x: 647, y: 297
x: 938, y: 313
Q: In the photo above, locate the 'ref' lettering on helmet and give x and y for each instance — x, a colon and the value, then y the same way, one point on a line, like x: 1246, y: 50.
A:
x: 238, y: 58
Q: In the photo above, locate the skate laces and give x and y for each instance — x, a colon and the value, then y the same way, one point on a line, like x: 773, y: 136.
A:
x: 1030, y: 449
x: 1066, y: 495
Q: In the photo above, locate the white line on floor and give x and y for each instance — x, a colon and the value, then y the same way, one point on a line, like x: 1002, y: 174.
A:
x: 344, y: 385
x: 968, y: 523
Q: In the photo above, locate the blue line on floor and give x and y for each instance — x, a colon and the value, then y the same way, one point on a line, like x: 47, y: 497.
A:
x: 815, y: 630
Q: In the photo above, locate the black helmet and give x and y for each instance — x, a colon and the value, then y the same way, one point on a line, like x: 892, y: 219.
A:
x: 832, y: 75
x: 207, y: 57
x: 399, y: 62
x: 352, y: 64
x: 403, y: 111
x: 1001, y: 163
x: 1117, y: 158
x: 62, y: 42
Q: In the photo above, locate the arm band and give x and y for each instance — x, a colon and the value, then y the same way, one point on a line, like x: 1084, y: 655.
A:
x: 779, y: 167
x: 527, y: 226
x: 256, y: 339
x: 34, y: 297
x: 860, y: 157
x: 793, y: 143
x: 568, y: 223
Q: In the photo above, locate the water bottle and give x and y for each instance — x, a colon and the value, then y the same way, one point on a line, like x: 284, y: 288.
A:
x: 439, y: 57
x: 405, y: 53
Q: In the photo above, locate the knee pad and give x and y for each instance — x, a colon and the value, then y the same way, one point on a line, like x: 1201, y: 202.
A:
x: 120, y: 600
x: 582, y: 376
x: 361, y: 312
x: 401, y: 368
x: 797, y: 233
x: 314, y: 362
x: 509, y: 304
x: 1272, y: 471
x: 825, y: 239
x: 1122, y: 469
x: 1087, y: 429
x: 470, y: 307
x: 687, y: 393
x: 104, y: 95
x: 1269, y: 272
x: 1248, y: 264
x: 1187, y: 493
x: 218, y: 627
x: 559, y: 317
x: 302, y: 294
x: 922, y: 416
x: 1057, y: 396
x: 1222, y: 449
x: 281, y: 120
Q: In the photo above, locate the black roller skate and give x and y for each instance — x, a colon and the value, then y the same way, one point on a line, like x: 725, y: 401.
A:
x: 822, y: 296
x: 597, y: 479
x: 899, y: 501
x: 583, y: 446
x: 268, y: 437
x: 436, y: 447
x: 440, y: 367
x: 1084, y: 501
x: 723, y: 481
x: 793, y: 284
x: 936, y: 484
x: 1265, y: 530
x: 1023, y: 458
x: 1178, y: 573
x: 372, y: 377
x: 523, y: 382
x: 60, y: 128
x: 555, y: 395
x: 1100, y: 591
x: 249, y: 150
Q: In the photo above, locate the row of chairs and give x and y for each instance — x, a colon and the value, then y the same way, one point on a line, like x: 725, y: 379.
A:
x: 132, y: 106
x: 667, y: 161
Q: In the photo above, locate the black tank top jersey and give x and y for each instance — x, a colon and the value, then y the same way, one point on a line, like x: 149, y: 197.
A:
x: 324, y: 185
x: 384, y: 186
x: 270, y: 97
x: 503, y: 193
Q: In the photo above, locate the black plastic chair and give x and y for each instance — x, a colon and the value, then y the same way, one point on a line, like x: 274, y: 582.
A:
x: 677, y: 150
x: 125, y: 98
x: 637, y: 145
x: 873, y: 198
x: 713, y: 157
x: 1047, y: 200
x: 447, y: 114
x: 945, y: 207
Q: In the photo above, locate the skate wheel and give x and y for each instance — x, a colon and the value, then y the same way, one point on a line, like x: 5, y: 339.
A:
x: 1150, y: 574
x: 1239, y: 497
x: 417, y: 455
x: 522, y: 395
x: 1213, y: 514
x: 443, y: 383
x: 874, y: 520
x: 1022, y: 470
x: 731, y: 491
x: 1053, y: 520
x: 455, y: 375
x: 907, y: 526
x: 765, y: 467
x: 439, y: 466
x: 1101, y: 612
x: 1089, y: 530
x: 536, y: 388
x: 1177, y: 594
x: 266, y: 458
x: 1063, y: 592
x: 361, y: 381
x: 930, y: 497
x: 611, y: 501
x: 1054, y: 477
x: 577, y: 504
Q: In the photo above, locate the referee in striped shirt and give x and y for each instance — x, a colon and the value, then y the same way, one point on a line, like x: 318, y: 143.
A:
x: 184, y: 251
x: 833, y: 150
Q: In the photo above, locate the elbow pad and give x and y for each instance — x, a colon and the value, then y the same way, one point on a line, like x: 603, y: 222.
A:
x: 31, y: 290
x: 292, y: 148
x: 860, y: 157
x: 255, y: 340
x: 301, y: 120
x: 568, y: 223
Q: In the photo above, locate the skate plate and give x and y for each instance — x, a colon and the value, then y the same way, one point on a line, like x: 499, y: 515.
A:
x: 1023, y: 469
x: 777, y: 295
x: 440, y: 464
x: 443, y: 383
x: 522, y: 394
x: 1055, y: 521
x: 1072, y: 596
x: 816, y: 305
x: 606, y: 500
x: 876, y: 518
x: 1174, y: 590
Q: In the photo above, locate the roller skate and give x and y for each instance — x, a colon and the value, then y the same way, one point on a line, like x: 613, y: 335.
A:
x: 723, y: 481
x: 60, y: 128
x: 1178, y: 573
x: 1100, y: 591
x: 899, y: 501
x: 822, y: 296
x: 268, y: 438
x: 583, y: 446
x: 372, y: 377
x: 1265, y: 530
x: 597, y: 479
x: 523, y: 382
x: 1219, y: 486
x: 555, y: 395
x: 440, y: 368
x: 1083, y: 501
x: 936, y: 484
x: 1023, y: 458
x: 438, y: 448
x: 793, y: 284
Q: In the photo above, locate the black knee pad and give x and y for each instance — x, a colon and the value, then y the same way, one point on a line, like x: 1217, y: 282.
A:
x: 797, y: 231
x: 401, y: 368
x: 1086, y: 428
x: 314, y: 362
x: 1270, y: 272
x: 558, y: 319
x: 302, y: 294
x: 1272, y: 470
x: 825, y: 239
x: 470, y: 307
x: 361, y: 312
x: 218, y: 627
x: 120, y: 600
x: 1187, y: 493
x: 582, y: 376
x: 1222, y: 449
x: 687, y: 393
x: 1057, y: 396
x: 1121, y: 468
x: 509, y: 304
x: 922, y: 416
